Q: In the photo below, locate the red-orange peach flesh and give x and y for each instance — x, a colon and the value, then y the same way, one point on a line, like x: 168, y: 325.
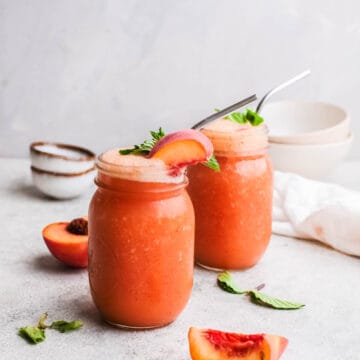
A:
x: 209, y: 344
x: 71, y: 249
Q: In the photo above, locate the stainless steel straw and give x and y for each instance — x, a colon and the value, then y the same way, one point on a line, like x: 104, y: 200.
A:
x: 228, y: 110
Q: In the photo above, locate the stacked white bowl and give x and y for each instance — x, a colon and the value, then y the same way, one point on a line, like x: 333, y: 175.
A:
x: 61, y: 171
x: 307, y: 138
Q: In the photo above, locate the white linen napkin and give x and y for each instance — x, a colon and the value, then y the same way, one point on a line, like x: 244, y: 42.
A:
x: 310, y: 209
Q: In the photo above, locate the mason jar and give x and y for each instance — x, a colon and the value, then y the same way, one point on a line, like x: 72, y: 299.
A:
x: 233, y: 207
x: 141, y: 242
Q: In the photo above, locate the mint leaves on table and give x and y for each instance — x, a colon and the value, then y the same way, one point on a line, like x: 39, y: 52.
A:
x: 249, y: 116
x: 65, y: 326
x: 36, y: 334
x: 32, y: 334
x: 262, y: 299
x: 226, y: 282
x: 147, y: 145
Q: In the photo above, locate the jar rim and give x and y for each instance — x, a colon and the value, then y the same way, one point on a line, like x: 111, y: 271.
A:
x: 243, y: 141
x: 134, y: 187
x: 152, y: 171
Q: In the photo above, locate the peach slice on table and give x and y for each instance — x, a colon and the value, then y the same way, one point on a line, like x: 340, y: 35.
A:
x: 209, y: 344
x: 182, y: 148
x: 68, y: 241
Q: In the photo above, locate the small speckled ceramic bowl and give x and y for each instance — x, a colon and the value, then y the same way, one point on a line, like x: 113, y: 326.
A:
x: 61, y: 158
x: 62, y: 186
x: 61, y: 171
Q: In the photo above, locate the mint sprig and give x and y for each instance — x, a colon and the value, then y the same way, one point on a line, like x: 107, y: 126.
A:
x: 226, y: 282
x: 212, y: 163
x: 249, y: 116
x: 146, y: 146
x: 36, y: 334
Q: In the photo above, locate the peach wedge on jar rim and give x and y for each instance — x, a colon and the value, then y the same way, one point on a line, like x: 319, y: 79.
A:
x: 142, y: 227
x: 233, y: 207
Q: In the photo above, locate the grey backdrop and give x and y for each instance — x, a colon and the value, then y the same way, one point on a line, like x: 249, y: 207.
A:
x: 102, y: 73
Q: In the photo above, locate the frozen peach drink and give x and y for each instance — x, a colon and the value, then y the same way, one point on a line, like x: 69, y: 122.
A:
x: 233, y: 207
x: 141, y: 236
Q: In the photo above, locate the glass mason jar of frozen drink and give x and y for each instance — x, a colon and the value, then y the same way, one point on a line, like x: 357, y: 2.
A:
x: 233, y: 207
x: 141, y: 241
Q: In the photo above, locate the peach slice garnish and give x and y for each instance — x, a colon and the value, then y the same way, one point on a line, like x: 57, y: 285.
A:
x: 209, y: 344
x: 68, y: 241
x: 182, y: 148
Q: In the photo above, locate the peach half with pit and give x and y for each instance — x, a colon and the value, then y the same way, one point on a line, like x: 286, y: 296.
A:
x: 68, y: 241
x: 183, y: 148
x: 209, y: 344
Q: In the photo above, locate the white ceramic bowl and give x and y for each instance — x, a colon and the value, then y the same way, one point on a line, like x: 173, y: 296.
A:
x: 62, y: 186
x: 61, y: 158
x: 314, y: 161
x: 303, y: 122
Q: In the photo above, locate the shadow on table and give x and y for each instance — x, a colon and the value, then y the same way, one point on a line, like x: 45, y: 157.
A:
x: 82, y: 307
x: 49, y: 264
x: 26, y: 189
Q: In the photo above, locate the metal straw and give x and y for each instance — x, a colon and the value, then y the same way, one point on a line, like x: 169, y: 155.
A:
x: 228, y: 110
x: 280, y: 87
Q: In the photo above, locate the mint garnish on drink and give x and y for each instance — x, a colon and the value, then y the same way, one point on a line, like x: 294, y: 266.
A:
x: 146, y: 146
x: 212, y: 163
x: 249, y: 116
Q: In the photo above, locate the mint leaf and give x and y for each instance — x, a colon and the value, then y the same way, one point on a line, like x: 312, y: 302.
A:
x: 32, y: 334
x: 127, y: 151
x: 249, y: 116
x: 238, y: 117
x: 226, y: 282
x: 157, y: 135
x: 266, y: 300
x: 212, y: 163
x: 65, y: 326
x: 146, y: 146
x: 253, y: 117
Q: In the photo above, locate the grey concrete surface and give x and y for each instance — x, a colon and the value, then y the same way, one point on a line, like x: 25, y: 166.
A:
x: 33, y: 282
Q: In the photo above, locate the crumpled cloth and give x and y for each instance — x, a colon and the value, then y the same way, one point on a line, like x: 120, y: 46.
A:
x: 310, y: 209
